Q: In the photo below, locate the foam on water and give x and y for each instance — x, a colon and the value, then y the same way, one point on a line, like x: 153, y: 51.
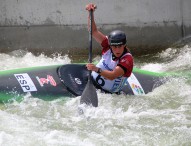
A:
x: 20, y: 59
x: 160, y: 118
x: 172, y: 59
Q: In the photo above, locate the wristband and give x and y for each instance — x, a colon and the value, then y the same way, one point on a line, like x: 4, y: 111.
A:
x: 99, y: 70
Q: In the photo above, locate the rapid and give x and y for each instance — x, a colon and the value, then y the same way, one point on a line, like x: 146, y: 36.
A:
x: 160, y: 118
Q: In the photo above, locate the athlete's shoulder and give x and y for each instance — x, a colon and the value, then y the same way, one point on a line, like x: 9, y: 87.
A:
x: 126, y: 62
x: 105, y: 45
x: 126, y: 57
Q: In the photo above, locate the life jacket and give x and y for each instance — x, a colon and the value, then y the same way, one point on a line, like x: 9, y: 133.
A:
x: 107, y: 62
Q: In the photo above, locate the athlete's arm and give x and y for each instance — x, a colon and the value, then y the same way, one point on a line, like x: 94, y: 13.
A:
x: 110, y: 75
x: 98, y: 36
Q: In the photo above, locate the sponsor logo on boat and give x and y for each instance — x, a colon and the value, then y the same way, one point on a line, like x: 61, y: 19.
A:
x: 49, y: 80
x: 137, y: 88
x: 135, y: 85
x: 25, y: 82
x: 78, y: 81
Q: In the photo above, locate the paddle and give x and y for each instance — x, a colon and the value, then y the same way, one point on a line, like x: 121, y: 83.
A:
x: 89, y: 95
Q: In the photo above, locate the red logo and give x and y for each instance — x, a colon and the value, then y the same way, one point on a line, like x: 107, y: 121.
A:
x: 47, y: 80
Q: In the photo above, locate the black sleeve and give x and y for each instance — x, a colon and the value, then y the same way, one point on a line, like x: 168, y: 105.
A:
x: 124, y: 69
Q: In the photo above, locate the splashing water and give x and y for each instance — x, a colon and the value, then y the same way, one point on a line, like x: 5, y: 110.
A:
x: 19, y: 59
x: 160, y: 118
x: 172, y: 59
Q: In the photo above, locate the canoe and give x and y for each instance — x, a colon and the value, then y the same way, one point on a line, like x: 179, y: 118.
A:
x: 51, y: 82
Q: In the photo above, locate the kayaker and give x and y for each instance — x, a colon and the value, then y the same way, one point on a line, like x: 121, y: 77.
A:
x: 116, y: 63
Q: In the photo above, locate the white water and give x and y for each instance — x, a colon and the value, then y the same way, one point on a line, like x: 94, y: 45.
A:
x: 160, y: 118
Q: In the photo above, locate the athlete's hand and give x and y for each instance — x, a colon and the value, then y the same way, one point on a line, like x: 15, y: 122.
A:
x: 92, y: 67
x: 91, y: 7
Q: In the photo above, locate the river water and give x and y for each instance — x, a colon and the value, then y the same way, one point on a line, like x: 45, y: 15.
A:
x: 160, y: 118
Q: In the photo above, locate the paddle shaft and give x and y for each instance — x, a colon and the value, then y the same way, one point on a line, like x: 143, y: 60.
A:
x: 90, y: 40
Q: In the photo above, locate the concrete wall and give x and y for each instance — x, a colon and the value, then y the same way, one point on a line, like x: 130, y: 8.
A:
x: 61, y: 25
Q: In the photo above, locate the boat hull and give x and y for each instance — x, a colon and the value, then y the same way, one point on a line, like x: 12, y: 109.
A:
x: 51, y: 82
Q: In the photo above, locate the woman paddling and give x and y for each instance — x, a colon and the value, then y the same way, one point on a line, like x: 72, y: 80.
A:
x: 116, y: 64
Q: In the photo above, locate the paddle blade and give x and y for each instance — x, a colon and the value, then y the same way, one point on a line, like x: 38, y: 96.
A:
x: 89, y: 95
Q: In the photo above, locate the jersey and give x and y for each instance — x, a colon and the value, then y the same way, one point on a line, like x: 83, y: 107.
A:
x: 108, y: 62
